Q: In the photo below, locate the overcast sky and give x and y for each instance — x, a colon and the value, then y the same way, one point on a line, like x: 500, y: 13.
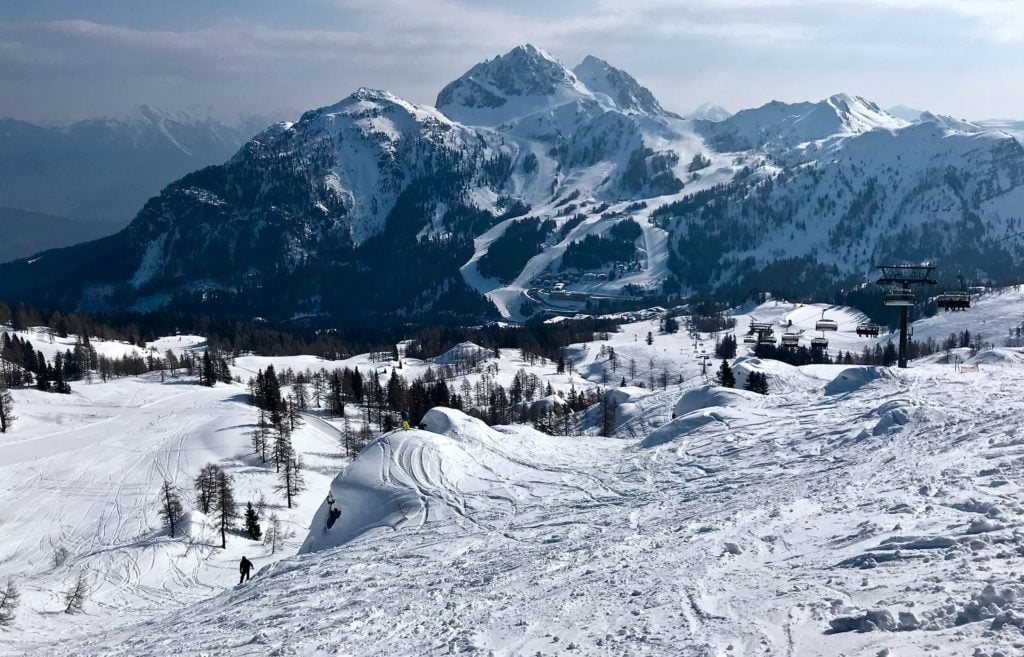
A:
x: 62, y: 60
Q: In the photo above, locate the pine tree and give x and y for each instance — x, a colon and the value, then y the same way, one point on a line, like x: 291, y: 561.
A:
x: 170, y: 506
x: 208, y: 374
x: 74, y: 597
x: 252, y: 523
x: 7, y: 416
x: 224, y: 511
x: 725, y: 377
x: 10, y: 598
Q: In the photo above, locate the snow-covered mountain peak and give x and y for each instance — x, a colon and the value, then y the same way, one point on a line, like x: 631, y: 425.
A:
x: 520, y: 82
x: 709, y: 112
x: 619, y: 87
x: 860, y: 115
x: 950, y: 123
x: 778, y: 126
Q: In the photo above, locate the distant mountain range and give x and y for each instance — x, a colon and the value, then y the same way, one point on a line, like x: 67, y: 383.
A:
x: 23, y: 233
x: 531, y: 187
x: 104, y: 169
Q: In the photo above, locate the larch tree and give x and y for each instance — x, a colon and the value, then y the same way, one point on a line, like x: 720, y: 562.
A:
x: 224, y: 510
x: 170, y: 506
x: 74, y: 597
x: 291, y: 481
x: 206, y: 487
x: 10, y: 598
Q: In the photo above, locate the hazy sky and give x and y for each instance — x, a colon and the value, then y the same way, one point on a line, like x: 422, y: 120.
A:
x: 66, y: 59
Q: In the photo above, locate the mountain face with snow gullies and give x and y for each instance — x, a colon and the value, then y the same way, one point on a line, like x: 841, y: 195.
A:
x: 104, y: 169
x: 534, y: 188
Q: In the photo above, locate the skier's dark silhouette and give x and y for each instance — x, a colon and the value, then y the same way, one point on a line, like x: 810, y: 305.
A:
x: 244, y: 568
x: 405, y: 420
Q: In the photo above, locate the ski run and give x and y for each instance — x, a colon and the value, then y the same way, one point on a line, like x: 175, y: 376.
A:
x: 853, y: 510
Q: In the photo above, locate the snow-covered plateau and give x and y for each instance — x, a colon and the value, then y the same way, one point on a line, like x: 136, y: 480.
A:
x: 853, y: 510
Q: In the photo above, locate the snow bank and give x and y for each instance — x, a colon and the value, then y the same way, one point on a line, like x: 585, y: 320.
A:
x: 855, y: 378
x: 709, y: 396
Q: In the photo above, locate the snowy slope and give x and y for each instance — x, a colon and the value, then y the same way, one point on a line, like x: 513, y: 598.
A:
x: 768, y: 527
x: 82, y: 472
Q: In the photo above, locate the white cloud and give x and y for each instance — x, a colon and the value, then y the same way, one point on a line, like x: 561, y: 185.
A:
x: 735, y: 52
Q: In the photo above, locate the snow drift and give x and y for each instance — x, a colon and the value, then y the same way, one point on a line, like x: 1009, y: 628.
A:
x: 456, y: 471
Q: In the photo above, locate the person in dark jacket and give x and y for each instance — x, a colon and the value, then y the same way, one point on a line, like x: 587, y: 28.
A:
x: 405, y: 420
x: 244, y: 568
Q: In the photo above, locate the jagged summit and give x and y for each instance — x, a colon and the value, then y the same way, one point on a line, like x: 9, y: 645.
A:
x: 619, y: 87
x: 522, y: 81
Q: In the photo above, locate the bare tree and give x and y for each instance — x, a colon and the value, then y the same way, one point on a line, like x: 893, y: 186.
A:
x: 170, y: 506
x: 224, y: 509
x: 10, y: 598
x: 291, y: 480
x: 259, y: 436
x: 7, y: 416
x: 59, y: 556
x: 282, y: 448
x: 206, y: 487
x: 273, y: 537
x: 74, y: 597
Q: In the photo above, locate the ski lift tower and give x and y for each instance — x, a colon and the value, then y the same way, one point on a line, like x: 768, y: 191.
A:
x: 899, y: 279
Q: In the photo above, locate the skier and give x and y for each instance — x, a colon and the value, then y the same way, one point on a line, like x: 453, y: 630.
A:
x: 245, y: 567
x: 405, y: 420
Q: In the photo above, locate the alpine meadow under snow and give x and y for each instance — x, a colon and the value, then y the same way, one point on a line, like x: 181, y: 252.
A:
x: 545, y: 368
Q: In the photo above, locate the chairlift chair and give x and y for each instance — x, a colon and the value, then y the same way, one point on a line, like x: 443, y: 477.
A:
x: 867, y: 330
x: 826, y: 324
x: 902, y: 296
x: 953, y: 301
x: 790, y: 340
x: 750, y: 339
x: 819, y: 343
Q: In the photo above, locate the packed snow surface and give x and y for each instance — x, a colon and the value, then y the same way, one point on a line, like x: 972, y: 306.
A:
x: 853, y: 510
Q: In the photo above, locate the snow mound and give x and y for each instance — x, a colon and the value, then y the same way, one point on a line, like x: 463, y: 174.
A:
x: 712, y: 396
x: 462, y: 352
x: 692, y: 422
x: 997, y: 357
x: 455, y: 424
x: 456, y: 472
x: 855, y: 378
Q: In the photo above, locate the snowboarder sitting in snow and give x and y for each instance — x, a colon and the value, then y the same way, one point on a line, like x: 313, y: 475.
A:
x: 405, y: 420
x: 244, y: 568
